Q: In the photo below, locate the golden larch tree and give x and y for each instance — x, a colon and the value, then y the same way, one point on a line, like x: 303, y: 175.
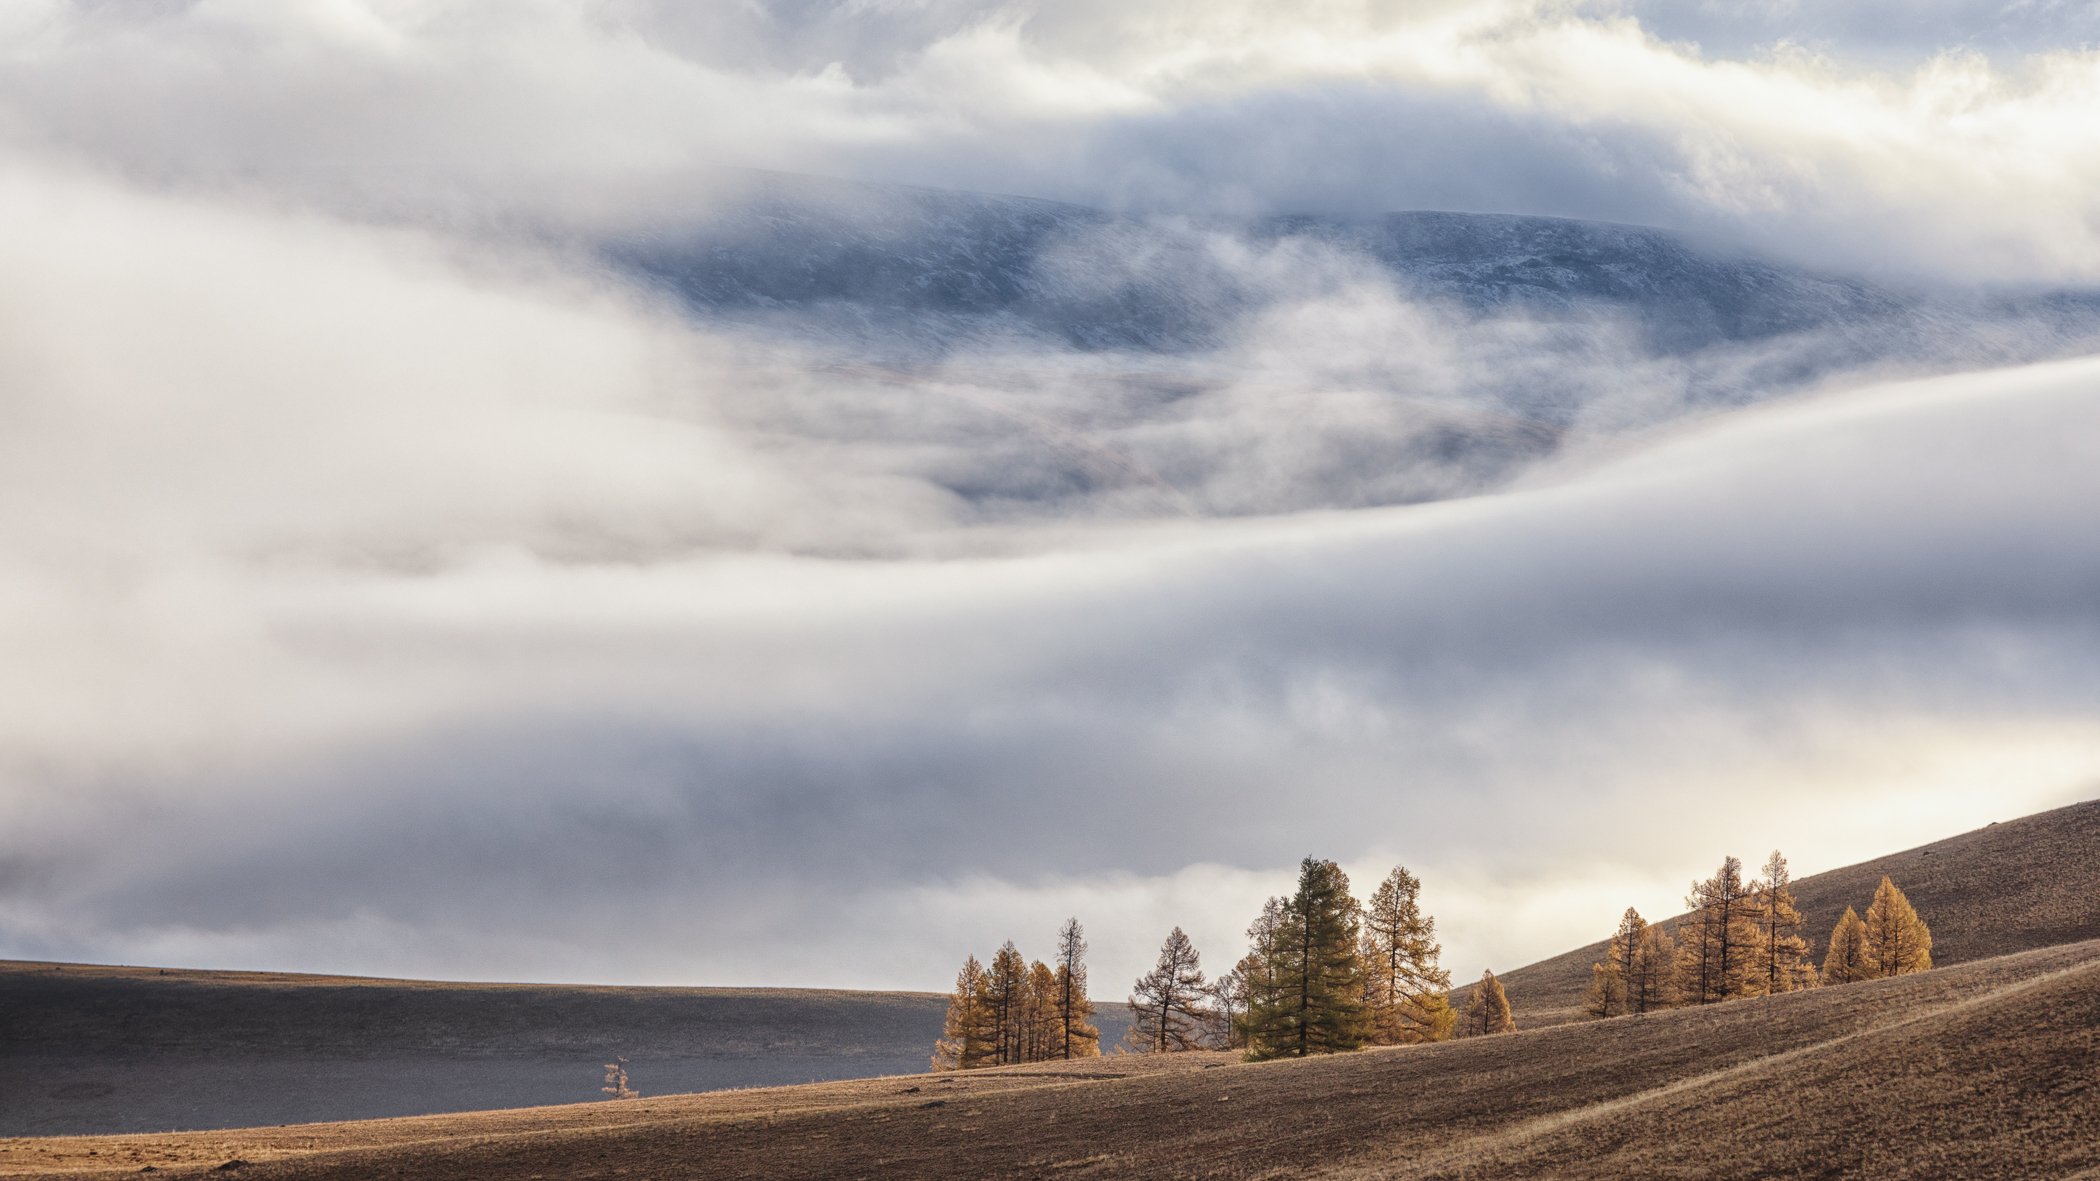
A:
x: 970, y: 1032
x: 1898, y: 942
x: 1607, y: 995
x: 1846, y: 961
x: 1720, y: 940
x: 1406, y: 990
x: 1077, y: 1037
x: 1784, y: 957
x: 1487, y: 1010
x: 1651, y: 973
x: 1041, y: 1025
x: 1008, y: 994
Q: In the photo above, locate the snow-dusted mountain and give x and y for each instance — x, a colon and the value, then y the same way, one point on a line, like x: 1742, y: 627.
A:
x: 941, y: 265
x: 1090, y: 361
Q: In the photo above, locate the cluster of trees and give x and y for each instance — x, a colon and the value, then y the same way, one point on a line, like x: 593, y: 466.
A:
x: 1015, y: 1011
x: 1323, y: 973
x: 1742, y: 939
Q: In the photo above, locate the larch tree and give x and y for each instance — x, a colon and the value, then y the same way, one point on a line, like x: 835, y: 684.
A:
x: 1260, y: 974
x: 1783, y: 958
x: 1227, y: 1009
x: 1406, y: 990
x: 1166, y: 1004
x: 1607, y: 996
x: 970, y: 1032
x: 1898, y: 942
x: 1008, y: 994
x: 1487, y: 1010
x: 1041, y: 1031
x: 1077, y: 1035
x: 1651, y: 973
x: 1846, y: 960
x: 1318, y: 1007
x: 1718, y: 958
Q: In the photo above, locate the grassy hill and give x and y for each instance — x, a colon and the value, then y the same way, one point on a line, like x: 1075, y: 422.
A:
x: 1982, y: 1067
x: 1979, y: 1070
x: 99, y: 1049
x: 2011, y: 886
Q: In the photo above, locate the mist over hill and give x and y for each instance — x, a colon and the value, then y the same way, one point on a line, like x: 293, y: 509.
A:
x: 1044, y: 360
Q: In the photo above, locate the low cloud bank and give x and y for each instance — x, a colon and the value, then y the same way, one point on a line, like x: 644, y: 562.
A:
x: 453, y: 622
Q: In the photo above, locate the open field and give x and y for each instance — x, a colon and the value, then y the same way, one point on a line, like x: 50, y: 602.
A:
x: 102, y: 1049
x: 1981, y: 1069
x: 1984, y: 1066
x: 2021, y: 884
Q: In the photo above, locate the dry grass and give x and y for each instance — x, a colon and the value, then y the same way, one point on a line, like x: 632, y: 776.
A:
x: 1983, y: 1069
x: 2026, y: 883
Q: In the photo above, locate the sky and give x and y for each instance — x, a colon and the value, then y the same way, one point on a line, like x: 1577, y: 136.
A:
x: 389, y: 586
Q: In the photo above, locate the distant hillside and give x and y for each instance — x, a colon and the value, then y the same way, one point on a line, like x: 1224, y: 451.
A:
x: 1038, y: 360
x: 87, y: 1048
x: 936, y: 266
x: 1985, y: 1069
x: 904, y: 270
x: 2014, y: 886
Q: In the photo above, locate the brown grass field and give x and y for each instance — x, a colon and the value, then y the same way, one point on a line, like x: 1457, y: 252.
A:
x: 1981, y: 1069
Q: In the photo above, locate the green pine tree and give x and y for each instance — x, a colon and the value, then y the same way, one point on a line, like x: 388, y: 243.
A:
x: 1317, y: 1004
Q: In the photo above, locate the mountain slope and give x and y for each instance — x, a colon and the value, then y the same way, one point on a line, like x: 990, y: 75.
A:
x: 2011, y: 886
x: 937, y: 267
x: 1918, y: 1076
x: 1041, y: 361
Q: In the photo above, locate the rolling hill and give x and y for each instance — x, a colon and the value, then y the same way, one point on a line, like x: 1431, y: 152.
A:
x: 2012, y: 886
x: 1982, y: 1067
x: 1979, y: 1070
x: 102, y: 1049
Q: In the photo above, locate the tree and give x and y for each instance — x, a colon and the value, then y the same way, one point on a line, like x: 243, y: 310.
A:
x: 1718, y: 959
x: 1607, y: 996
x: 1040, y: 1024
x: 1487, y: 1010
x: 1317, y: 1007
x: 1846, y: 961
x: 1228, y: 1003
x: 1405, y: 990
x: 1077, y: 1036
x: 1651, y: 975
x: 1260, y: 974
x: 616, y: 1081
x: 969, y: 1035
x: 1898, y: 942
x: 1783, y: 957
x: 1008, y: 995
x: 1166, y: 1004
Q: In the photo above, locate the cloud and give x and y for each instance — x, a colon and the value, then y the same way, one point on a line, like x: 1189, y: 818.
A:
x: 1780, y: 126
x: 438, y: 618
x: 388, y: 587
